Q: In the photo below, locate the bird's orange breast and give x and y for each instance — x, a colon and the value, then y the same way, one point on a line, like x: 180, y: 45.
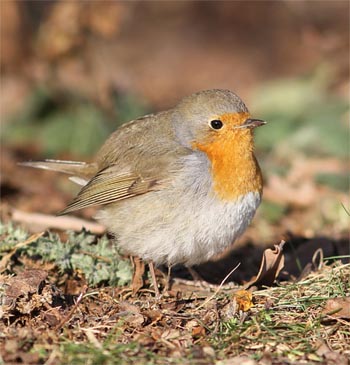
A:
x: 234, y: 168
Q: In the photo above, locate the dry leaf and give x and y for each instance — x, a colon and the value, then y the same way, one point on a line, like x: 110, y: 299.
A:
x: 27, y: 292
x: 154, y: 316
x: 244, y: 300
x: 338, y: 307
x: 331, y: 357
x: 131, y: 314
x: 271, y: 265
x: 170, y: 334
x: 174, y: 339
x: 27, y: 282
x: 52, y: 317
x: 104, y: 20
x: 61, y: 31
x: 198, y: 332
x: 280, y: 190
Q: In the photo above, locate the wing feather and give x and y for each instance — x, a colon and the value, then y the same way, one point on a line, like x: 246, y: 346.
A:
x: 108, y: 186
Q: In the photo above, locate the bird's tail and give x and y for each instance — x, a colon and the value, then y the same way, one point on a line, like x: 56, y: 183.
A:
x: 81, y: 171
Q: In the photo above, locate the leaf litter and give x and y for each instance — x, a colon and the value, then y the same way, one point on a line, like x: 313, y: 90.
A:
x: 57, y: 314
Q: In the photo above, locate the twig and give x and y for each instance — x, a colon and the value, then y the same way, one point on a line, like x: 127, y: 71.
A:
x: 102, y: 258
x: 318, y: 254
x: 70, y: 314
x: 46, y: 221
x: 346, y: 210
x: 219, y: 287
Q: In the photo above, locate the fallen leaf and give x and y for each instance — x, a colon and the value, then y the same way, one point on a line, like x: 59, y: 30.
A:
x: 198, y: 331
x: 27, y: 282
x: 154, y: 316
x: 170, y: 334
x: 104, y: 20
x: 131, y: 314
x: 302, y: 194
x: 21, y: 357
x: 244, y: 300
x: 52, y: 317
x: 27, y: 292
x: 332, y: 357
x: 271, y: 265
x: 11, y: 346
x: 338, y: 307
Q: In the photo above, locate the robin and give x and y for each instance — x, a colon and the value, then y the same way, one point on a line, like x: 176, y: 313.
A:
x: 174, y: 187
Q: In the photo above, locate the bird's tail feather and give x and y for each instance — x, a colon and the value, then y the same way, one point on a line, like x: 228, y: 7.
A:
x: 75, y: 168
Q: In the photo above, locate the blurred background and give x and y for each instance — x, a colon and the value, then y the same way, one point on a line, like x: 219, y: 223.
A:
x: 71, y: 72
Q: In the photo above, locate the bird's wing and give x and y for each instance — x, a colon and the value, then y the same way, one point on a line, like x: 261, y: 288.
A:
x: 108, y: 186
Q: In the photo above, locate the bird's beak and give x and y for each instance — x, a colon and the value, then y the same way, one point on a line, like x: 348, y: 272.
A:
x: 251, y: 123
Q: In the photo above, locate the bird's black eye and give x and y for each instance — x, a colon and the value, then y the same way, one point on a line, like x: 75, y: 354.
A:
x: 216, y: 124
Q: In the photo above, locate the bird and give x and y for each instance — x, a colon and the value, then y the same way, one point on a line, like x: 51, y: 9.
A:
x: 174, y: 187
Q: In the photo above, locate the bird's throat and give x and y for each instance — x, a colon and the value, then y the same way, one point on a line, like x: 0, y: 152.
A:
x: 234, y: 168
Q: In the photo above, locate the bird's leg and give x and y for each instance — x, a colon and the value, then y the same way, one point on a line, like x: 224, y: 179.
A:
x: 168, y: 277
x: 139, y: 270
x: 195, y: 275
x: 198, y: 280
x: 154, y: 279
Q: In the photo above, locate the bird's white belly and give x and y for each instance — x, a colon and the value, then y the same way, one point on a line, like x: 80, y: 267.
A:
x: 181, y: 232
x: 209, y: 229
